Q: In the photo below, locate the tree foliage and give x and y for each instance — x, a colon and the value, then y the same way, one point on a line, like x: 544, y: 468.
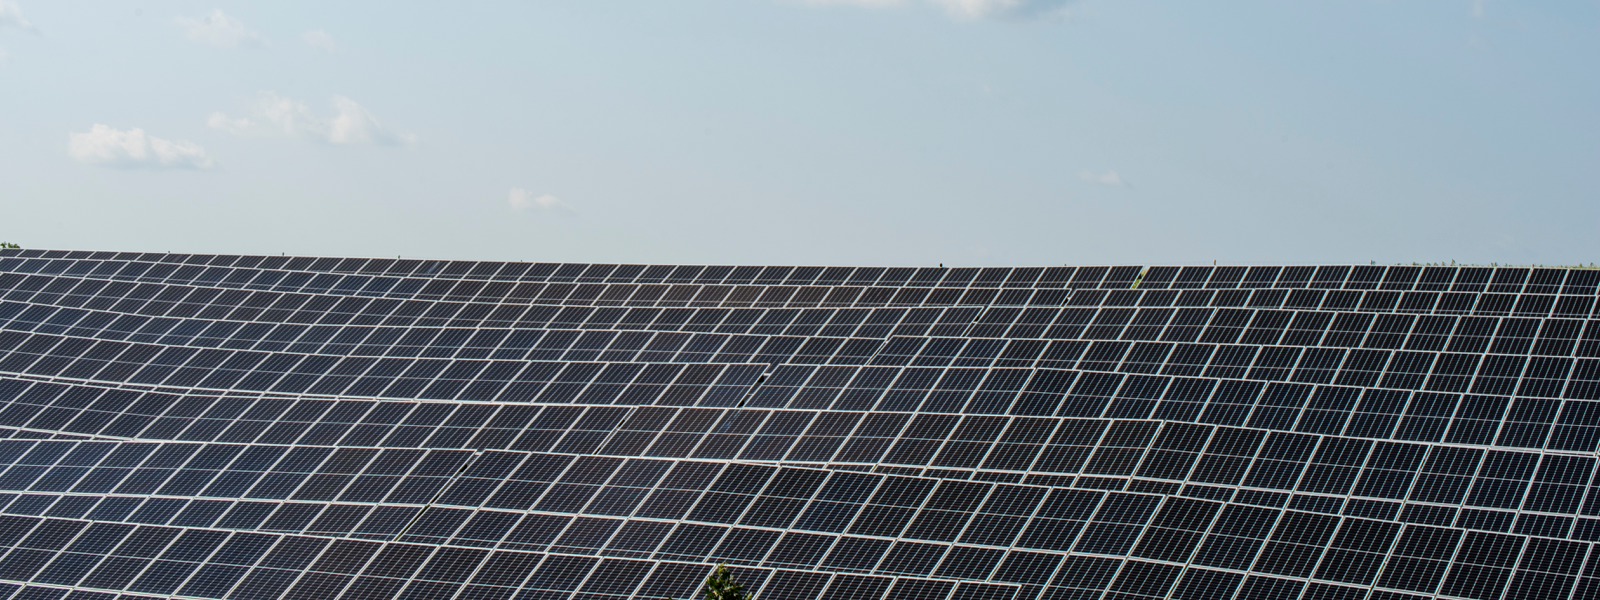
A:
x: 721, y: 586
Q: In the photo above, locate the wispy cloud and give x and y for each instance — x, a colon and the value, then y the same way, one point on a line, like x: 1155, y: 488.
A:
x: 278, y: 116
x: 222, y: 31
x: 1106, y: 178
x: 11, y: 16
x: 521, y: 200
x: 1477, y: 8
x: 969, y: 10
x: 133, y: 148
x: 860, y: 3
x: 1004, y: 9
x: 319, y: 39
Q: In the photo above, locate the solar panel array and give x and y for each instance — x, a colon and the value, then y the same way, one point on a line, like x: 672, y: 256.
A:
x: 256, y: 428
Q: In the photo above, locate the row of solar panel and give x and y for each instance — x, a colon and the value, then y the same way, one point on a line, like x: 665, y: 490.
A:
x: 1475, y: 335
x: 1294, y: 328
x: 724, y: 385
x: 797, y: 585
x: 29, y: 434
x: 1555, y: 339
x: 201, y: 465
x: 84, y: 409
x: 494, y: 576
x: 1235, y: 542
x: 1329, y: 410
x: 273, y: 472
x: 1224, y: 360
x: 360, y: 521
x: 892, y: 512
x: 1286, y: 461
x: 165, y: 560
x: 1407, y: 581
x: 1004, y: 515
x: 648, y: 533
x: 664, y: 582
x: 411, y: 290
x: 277, y: 306
x: 846, y: 323
x: 1539, y: 376
x: 1223, y: 538
x: 239, y: 270
x: 1061, y: 520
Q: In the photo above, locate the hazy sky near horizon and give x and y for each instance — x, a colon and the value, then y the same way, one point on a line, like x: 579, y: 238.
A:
x: 876, y: 132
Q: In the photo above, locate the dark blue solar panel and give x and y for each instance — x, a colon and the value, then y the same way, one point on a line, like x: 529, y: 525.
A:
x: 273, y: 427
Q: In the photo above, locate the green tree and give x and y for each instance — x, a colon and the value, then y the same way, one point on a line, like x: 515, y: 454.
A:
x: 9, y: 245
x: 721, y: 586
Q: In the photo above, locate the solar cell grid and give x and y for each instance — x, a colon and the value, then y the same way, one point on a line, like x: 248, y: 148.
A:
x: 1008, y: 433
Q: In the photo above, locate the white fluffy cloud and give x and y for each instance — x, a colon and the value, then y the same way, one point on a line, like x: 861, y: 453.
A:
x: 1107, y: 178
x: 278, y: 116
x: 319, y: 39
x: 11, y: 16
x: 968, y: 10
x: 521, y: 200
x: 102, y: 145
x: 221, y: 30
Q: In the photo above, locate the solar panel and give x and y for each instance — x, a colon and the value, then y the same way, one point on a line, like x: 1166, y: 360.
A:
x: 256, y: 428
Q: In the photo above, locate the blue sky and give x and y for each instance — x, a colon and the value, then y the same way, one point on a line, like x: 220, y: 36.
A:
x: 910, y: 132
